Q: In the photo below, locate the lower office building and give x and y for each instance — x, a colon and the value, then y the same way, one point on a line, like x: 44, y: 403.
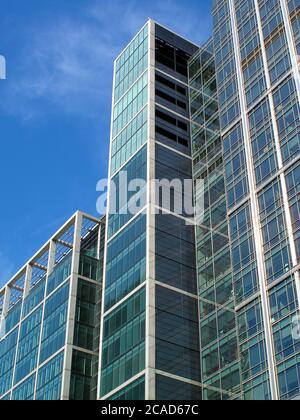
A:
x: 50, y: 318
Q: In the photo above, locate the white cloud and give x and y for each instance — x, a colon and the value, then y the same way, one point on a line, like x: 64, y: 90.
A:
x: 66, y: 66
x: 127, y: 17
x: 63, y: 69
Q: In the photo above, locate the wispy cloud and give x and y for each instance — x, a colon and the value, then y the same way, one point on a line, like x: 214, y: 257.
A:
x: 66, y: 66
x: 62, y: 71
x: 125, y: 18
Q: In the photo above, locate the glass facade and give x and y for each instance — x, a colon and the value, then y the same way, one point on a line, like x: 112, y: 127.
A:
x: 122, y: 351
x: 256, y: 45
x: 176, y: 305
x: 150, y: 256
x: 38, y: 324
x: 218, y: 323
x: 133, y: 392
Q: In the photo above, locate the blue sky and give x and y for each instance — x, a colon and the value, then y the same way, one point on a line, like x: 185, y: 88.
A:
x: 55, y: 106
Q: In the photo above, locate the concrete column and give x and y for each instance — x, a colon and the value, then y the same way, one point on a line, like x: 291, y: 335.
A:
x: 6, y: 301
x: 150, y: 283
x: 254, y: 209
x: 51, y: 257
x: 66, y: 382
x: 28, y: 278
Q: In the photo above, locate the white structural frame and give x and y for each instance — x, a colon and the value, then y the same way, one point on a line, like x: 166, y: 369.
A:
x: 258, y: 243
x: 49, y: 250
x: 287, y: 211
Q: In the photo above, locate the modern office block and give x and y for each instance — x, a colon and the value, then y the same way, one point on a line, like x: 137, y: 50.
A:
x: 50, y: 318
x: 256, y: 43
x: 150, y: 320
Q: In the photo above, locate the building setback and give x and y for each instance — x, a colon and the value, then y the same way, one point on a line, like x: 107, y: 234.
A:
x: 152, y: 306
x: 220, y: 365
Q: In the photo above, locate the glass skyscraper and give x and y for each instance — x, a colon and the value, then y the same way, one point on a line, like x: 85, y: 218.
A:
x: 256, y: 43
x: 156, y: 303
x: 150, y: 321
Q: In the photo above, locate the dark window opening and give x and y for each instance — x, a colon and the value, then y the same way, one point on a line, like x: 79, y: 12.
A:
x: 183, y: 142
x: 182, y: 126
x: 171, y: 136
x: 173, y: 121
x: 170, y: 99
x: 165, y: 96
x: 165, y: 82
x: 166, y: 133
x: 171, y: 85
x: 165, y: 54
x: 181, y: 90
x: 166, y: 117
x: 181, y: 105
x: 171, y: 57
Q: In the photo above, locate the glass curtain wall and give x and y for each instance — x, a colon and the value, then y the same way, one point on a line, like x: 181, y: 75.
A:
x: 40, y: 330
x: 218, y: 322
x: 256, y: 45
x: 122, y: 355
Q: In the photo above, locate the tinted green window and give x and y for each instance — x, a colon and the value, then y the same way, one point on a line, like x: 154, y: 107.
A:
x: 84, y: 377
x: 54, y: 327
x: 289, y: 378
x: 5, y: 398
x: 89, y: 267
x: 50, y: 379
x: 60, y: 273
x: 7, y: 359
x: 132, y: 63
x: 126, y: 262
x: 13, y: 317
x: 130, y: 104
x: 86, y: 334
x: 283, y: 300
x: 120, y: 212
x: 34, y: 298
x: 25, y: 392
x: 28, y: 345
x: 132, y: 392
x: 123, y: 343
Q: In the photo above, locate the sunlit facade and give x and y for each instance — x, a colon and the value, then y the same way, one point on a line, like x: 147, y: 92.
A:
x: 256, y: 43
